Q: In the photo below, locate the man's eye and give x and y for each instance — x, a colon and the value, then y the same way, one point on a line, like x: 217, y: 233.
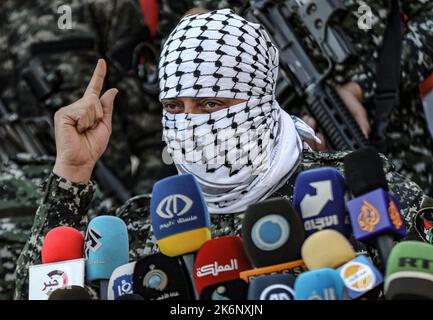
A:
x: 173, y: 108
x: 211, y: 104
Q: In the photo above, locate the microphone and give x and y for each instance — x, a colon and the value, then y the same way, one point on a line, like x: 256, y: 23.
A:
x: 159, y: 277
x: 121, y: 281
x: 70, y: 293
x: 319, y: 198
x: 409, y: 272
x: 326, y: 249
x: 375, y: 215
x: 45, y: 278
x: 61, y: 244
x: 106, y: 248
x: 218, y: 260
x: 236, y: 289
x: 63, y: 263
x: 320, y: 284
x: 272, y: 233
x: 179, y: 215
x: 330, y: 249
x: 273, y: 287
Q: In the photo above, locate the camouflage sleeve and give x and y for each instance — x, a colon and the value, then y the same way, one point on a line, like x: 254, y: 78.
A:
x: 64, y: 204
x: 417, y: 52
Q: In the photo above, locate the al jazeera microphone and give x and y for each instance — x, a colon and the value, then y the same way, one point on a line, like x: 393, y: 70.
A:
x: 319, y: 284
x: 63, y: 263
x: 106, y: 248
x: 319, y: 198
x: 179, y: 215
x: 409, y: 272
x: 218, y: 260
x: 330, y: 249
x: 375, y: 215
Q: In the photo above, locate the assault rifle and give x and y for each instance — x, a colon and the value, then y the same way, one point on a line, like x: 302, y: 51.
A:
x: 294, y: 25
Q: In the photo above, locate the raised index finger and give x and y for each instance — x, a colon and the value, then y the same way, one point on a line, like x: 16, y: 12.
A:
x: 97, y: 82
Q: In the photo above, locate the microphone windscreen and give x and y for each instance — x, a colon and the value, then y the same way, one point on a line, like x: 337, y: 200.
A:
x: 228, y: 290
x: 106, y: 247
x: 179, y: 215
x: 121, y: 281
x: 70, y: 293
x: 220, y: 259
x: 360, y: 276
x: 409, y: 272
x: 272, y: 233
x: 326, y: 249
x: 363, y: 169
x: 159, y: 277
x: 272, y: 287
x: 61, y: 244
x: 320, y: 284
x: 319, y: 198
x: 130, y: 296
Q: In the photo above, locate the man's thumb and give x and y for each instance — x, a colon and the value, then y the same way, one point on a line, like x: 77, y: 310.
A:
x: 107, y: 101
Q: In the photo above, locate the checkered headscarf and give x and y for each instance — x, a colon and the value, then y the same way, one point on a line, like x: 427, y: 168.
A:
x: 241, y: 154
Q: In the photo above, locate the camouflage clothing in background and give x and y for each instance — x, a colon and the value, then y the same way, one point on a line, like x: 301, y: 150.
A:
x: 66, y: 203
x: 136, y: 120
x: 409, y: 142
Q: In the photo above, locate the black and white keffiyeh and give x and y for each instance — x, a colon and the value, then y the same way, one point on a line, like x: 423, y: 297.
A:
x: 241, y: 154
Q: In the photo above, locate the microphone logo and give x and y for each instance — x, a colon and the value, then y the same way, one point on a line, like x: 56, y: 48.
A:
x: 394, y: 215
x: 270, y: 232
x: 277, y: 292
x: 155, y: 279
x: 311, y: 206
x: 57, y: 279
x: 92, y: 241
x: 369, y: 217
x: 174, y: 205
x: 358, y: 277
x: 218, y: 294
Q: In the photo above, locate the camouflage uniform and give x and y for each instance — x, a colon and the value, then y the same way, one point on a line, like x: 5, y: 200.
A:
x: 66, y: 203
x: 408, y: 139
x: 136, y: 122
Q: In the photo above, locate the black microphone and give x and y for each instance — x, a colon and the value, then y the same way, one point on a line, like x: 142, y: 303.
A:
x: 159, y: 277
x: 236, y: 289
x: 375, y: 215
x: 70, y: 293
x: 272, y: 233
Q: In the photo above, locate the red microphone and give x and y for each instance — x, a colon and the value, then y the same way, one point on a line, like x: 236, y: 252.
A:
x: 220, y: 259
x: 62, y: 244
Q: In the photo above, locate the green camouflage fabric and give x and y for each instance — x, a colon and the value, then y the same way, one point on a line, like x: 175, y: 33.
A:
x: 410, y: 144
x: 21, y: 191
x: 136, y: 124
x: 65, y: 203
x: 136, y: 136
